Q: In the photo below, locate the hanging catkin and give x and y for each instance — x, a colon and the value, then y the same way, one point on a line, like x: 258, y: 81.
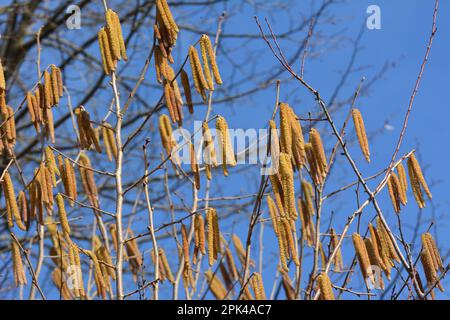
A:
x: 273, y: 211
x: 187, y: 90
x: 386, y: 241
x: 109, y: 140
x: 200, y: 233
x: 374, y: 257
x: 277, y: 189
x: 63, y: 215
x: 208, y: 52
x: 11, y: 205
x: 18, y: 269
x: 216, y: 286
x: 403, y: 182
x: 361, y: 133
x: 105, y: 51
x: 209, y: 152
x: 88, y: 137
x: 257, y: 285
x: 194, y: 166
x: 287, y: 182
x: 363, y: 256
x: 87, y: 179
x: 337, y: 260
x: 213, y: 235
x: 225, y: 146
x: 319, y: 153
x: 282, y: 246
x: 326, y: 289
x: 395, y: 192
x: 197, y: 72
x: 307, y: 223
x: 417, y: 181
x: 429, y: 244
x: 382, y: 250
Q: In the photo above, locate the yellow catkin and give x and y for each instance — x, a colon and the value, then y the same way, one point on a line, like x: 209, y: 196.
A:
x: 212, y: 58
x: 62, y: 215
x: 118, y: 27
x: 197, y: 70
x: 337, y: 261
x: 428, y: 267
x: 31, y: 107
x: 24, y: 209
x: 50, y: 163
x: 413, y: 165
x: 374, y: 257
x: 403, y: 181
x: 48, y: 90
x: 318, y: 150
x: 308, y: 196
x: 381, y: 250
x: 277, y: 189
x: 10, y: 200
x: 386, y: 240
x: 282, y: 246
x: 185, y: 244
x: 326, y: 289
x: 290, y: 241
x: 298, y: 141
x: 2, y: 78
x: 71, y: 180
x: 171, y: 104
x: 174, y: 83
x: 316, y: 175
x: 105, y: 51
x: 55, y: 84
x: 208, y: 77
x: 285, y: 129
x: 88, y: 180
x: 361, y: 253
x: 361, y: 133
x: 257, y: 285
x: 209, y: 153
x: 109, y: 140
x: 210, y: 236
x: 307, y: 224
x: 273, y: 211
x: 112, y: 34
x: 430, y: 244
x: 18, y: 269
x: 166, y: 266
x: 394, y: 192
x: 187, y: 90
x: 287, y: 182
x: 225, y: 147
x: 194, y: 167
x: 200, y: 233
x: 216, y: 286
x: 99, y: 280
x: 238, y: 246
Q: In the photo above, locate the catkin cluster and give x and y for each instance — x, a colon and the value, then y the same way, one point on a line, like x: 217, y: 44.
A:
x: 431, y: 262
x: 40, y: 103
x: 201, y: 74
x: 291, y: 136
x: 88, y: 135
x: 111, y: 42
